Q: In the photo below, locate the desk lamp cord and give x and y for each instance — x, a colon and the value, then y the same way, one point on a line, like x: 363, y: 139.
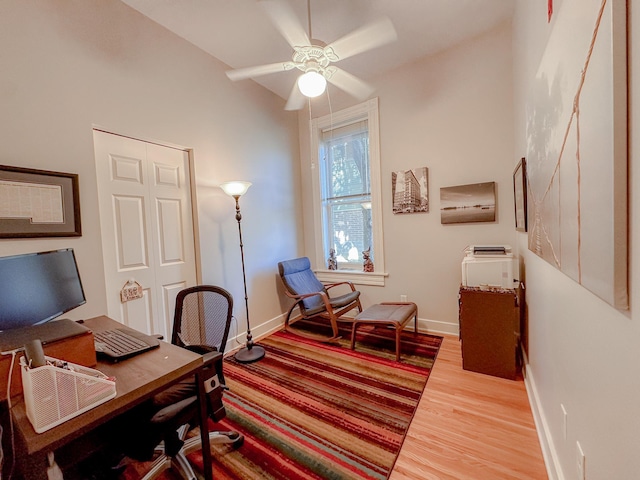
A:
x: 13, y: 362
x: 235, y: 336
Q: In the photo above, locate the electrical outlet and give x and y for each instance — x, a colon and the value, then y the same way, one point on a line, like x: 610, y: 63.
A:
x: 403, y: 298
x: 581, y: 462
x: 564, y: 422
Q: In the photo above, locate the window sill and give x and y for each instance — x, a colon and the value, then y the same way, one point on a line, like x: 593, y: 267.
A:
x: 358, y: 278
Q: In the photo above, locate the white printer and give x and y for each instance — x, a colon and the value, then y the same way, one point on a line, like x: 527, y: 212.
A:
x: 488, y: 266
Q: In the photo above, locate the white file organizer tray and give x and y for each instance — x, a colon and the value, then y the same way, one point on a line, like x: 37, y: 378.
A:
x: 53, y: 395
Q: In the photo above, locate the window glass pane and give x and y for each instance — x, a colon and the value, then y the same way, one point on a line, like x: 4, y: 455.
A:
x: 347, y: 193
x: 350, y: 230
x: 347, y: 166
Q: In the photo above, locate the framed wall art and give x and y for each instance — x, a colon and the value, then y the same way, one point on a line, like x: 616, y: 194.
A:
x: 468, y: 203
x: 520, y: 195
x: 38, y: 203
x: 577, y: 149
x: 410, y: 190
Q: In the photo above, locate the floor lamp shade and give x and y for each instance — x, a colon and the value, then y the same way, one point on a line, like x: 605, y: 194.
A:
x: 250, y: 352
x: 235, y: 188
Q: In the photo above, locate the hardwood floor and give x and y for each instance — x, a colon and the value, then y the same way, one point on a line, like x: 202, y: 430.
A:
x: 470, y: 426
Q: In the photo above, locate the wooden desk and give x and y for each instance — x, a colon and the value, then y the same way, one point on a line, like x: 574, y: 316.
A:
x: 137, y: 379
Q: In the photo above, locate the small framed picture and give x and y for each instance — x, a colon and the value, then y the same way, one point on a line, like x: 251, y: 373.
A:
x: 520, y: 195
x: 410, y: 190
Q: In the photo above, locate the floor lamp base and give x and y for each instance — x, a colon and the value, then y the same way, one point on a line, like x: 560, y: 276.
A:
x: 249, y: 355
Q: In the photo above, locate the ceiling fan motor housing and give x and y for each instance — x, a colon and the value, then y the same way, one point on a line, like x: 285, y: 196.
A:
x: 314, y: 58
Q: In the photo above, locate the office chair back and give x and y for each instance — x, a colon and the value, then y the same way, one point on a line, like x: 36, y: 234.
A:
x: 202, y: 317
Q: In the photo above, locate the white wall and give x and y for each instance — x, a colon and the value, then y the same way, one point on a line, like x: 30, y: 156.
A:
x: 582, y: 352
x: 453, y: 114
x: 68, y: 65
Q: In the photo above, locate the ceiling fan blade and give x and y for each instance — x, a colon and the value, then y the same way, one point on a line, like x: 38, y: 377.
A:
x: 286, y: 21
x: 365, y: 38
x: 250, y: 72
x: 350, y: 83
x: 296, y: 99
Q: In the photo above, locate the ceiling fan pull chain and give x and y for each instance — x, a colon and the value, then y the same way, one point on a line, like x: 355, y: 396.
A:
x: 309, y: 19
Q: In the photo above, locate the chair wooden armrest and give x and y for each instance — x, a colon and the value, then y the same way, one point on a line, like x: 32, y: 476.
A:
x: 332, y: 285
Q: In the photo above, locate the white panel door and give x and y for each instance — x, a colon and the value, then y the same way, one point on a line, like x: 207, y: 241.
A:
x: 147, y: 228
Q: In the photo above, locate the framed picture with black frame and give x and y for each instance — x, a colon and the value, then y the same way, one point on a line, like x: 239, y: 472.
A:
x: 520, y: 195
x: 38, y: 203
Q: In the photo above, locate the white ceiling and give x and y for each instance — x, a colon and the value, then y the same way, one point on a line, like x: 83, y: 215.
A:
x: 239, y: 33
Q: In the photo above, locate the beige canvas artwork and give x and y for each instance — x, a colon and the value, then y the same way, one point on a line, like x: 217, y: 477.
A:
x: 577, y: 148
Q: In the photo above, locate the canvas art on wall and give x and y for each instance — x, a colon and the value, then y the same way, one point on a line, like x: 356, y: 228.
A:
x: 468, y: 203
x: 410, y: 190
x: 577, y: 148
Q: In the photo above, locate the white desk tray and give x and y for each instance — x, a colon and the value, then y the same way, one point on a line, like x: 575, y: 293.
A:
x: 54, y: 394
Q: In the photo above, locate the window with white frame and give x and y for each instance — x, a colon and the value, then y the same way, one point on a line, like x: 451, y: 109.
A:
x: 347, y: 210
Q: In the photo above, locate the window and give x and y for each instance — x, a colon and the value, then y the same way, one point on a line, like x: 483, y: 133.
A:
x: 346, y: 178
x: 345, y: 193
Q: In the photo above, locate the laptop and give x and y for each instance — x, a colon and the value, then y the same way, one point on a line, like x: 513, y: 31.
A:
x: 119, y: 343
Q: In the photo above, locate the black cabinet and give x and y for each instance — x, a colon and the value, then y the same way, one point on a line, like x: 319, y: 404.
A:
x: 490, y: 330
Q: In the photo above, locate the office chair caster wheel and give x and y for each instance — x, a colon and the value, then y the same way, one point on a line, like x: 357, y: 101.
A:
x: 239, y: 440
x: 233, y: 438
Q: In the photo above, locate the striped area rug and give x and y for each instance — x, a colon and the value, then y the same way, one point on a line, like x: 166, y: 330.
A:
x: 310, y: 410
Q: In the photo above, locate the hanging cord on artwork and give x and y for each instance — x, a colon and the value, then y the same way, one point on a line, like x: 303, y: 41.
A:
x: 576, y: 100
x: 556, y: 172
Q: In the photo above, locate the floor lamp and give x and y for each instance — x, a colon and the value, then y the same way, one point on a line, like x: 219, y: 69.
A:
x: 250, y: 353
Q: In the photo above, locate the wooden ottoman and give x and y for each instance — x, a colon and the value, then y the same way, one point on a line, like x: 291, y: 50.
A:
x: 395, y: 314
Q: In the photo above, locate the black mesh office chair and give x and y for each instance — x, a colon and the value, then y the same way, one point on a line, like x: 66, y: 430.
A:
x: 201, y: 324
x: 202, y: 319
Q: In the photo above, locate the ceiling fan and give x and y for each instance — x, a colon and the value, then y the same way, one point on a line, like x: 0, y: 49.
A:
x: 314, y: 58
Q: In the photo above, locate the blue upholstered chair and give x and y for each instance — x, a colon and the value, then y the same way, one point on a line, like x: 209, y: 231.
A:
x: 312, y: 297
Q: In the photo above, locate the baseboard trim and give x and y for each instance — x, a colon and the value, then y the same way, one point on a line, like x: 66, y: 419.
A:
x: 266, y: 328
x: 426, y: 325
x: 549, y: 453
x: 237, y: 341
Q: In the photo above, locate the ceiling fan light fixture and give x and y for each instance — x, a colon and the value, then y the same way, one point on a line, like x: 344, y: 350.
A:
x: 314, y: 58
x: 312, y: 84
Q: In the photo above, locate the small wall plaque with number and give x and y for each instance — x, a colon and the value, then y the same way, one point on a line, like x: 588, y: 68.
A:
x: 130, y: 291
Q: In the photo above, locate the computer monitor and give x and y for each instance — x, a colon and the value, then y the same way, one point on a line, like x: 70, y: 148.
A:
x: 38, y: 287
